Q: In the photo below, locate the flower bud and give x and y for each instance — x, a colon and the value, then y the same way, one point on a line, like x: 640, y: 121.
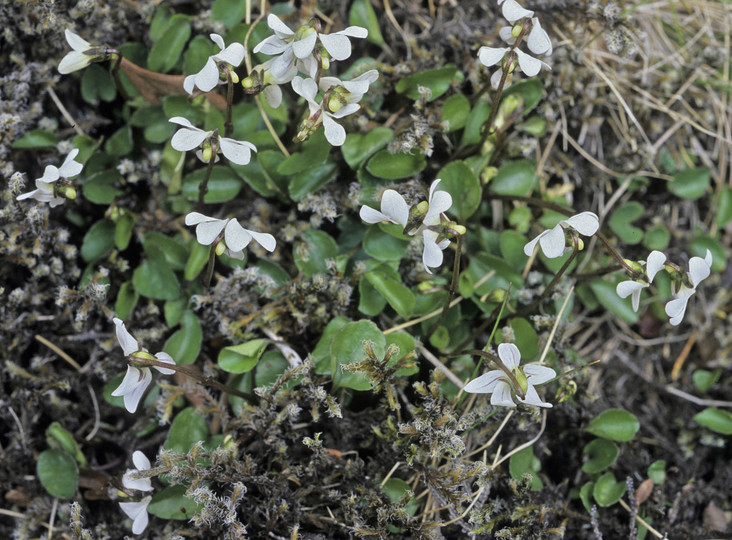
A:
x: 304, y: 31
x: 516, y: 30
x: 496, y: 295
x: 521, y: 379
x: 142, y: 355
x: 337, y: 99
x: 248, y: 83
x: 635, y: 266
x: 220, y: 248
x: 207, y: 152
x: 324, y: 59
x: 67, y: 191
x: 234, y: 76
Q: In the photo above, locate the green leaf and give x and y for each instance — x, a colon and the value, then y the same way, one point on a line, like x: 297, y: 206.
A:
x: 58, y: 473
x: 347, y: 348
x: 321, y: 353
x: 718, y: 420
x: 173, y: 310
x: 395, y: 166
x: 167, y: 50
x: 126, y: 300
x: 657, y: 237
x: 229, y: 12
x: 462, y: 184
x: 605, y: 293
x: 363, y: 14
x: 123, y: 230
x: 724, y: 207
x: 370, y: 302
x: 704, y: 380
x: 262, y: 176
x: 397, y: 489
x: 175, y: 253
x: 98, y: 241
x: 397, y: 295
x: 38, y: 138
x: 478, y: 116
x: 311, y: 255
x: 437, y: 80
x: 657, y: 471
x: 311, y: 180
x: 514, y: 178
x: 270, y: 367
x: 382, y: 246
x: 620, y: 222
x: 601, y: 454
x: 243, y: 357
x: 99, y: 188
x: 197, y: 53
x: 702, y: 243
x: 607, y: 491
x: 586, y: 494
x: 160, y: 22
x: 314, y: 152
x: 526, y: 340
x: 154, y: 278
x: 525, y: 462
x: 455, y: 111
x: 96, y: 84
x: 171, y: 503
x: 185, y: 344
x: 358, y: 147
x: 615, y: 425
x: 120, y: 143
x: 512, y: 248
x: 222, y: 186
x: 187, y: 429
x: 530, y: 91
x: 690, y: 183
x: 197, y: 259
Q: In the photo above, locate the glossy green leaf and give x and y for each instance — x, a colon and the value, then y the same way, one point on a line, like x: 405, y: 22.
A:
x: 382, y: 246
x: 395, y: 166
x: 526, y: 340
x: 222, y: 186
x: 605, y: 293
x: 311, y: 253
x: 704, y: 380
x: 314, y: 153
x: 58, y: 473
x: 397, y: 489
x: 512, y: 248
x: 525, y: 462
x: 321, y: 353
x: 607, y: 491
x: 621, y: 220
x: 370, y: 302
x: 270, y: 367
x: 188, y: 428
x: 657, y: 237
x: 154, y: 278
x: 530, y: 91
x: 185, y: 344
x: 229, y: 12
x: 586, y: 495
x: 478, y: 116
x: 614, y: 425
x: 311, y: 180
x: 197, y: 260
x: 243, y: 357
x: 690, y: 183
x: 347, y: 347
x: 601, y: 454
x: 97, y: 84
x: 126, y: 300
x: 123, y: 230
x: 194, y: 58
x: 160, y: 22
x: 167, y: 50
x: 37, y: 138
x: 397, y: 295
x: 455, y: 111
x: 363, y: 14
x: 702, y: 243
x: 98, y: 241
x: 100, y: 187
x: 359, y: 147
x: 657, y: 471
x: 171, y: 503
x: 718, y: 420
x: 437, y: 80
x: 175, y: 253
x: 724, y: 207
x: 261, y: 175
x: 462, y: 184
x: 120, y: 143
x: 514, y: 178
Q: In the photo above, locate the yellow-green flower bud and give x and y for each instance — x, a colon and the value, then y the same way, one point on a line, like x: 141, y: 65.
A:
x: 67, y: 191
x: 234, y: 76
x: 304, y: 31
x: 634, y: 265
x: 207, y: 153
x: 459, y: 229
x: 496, y: 295
x: 516, y: 30
x: 220, y: 248
x: 324, y: 59
x: 337, y: 99
x: 580, y: 244
x: 143, y: 355
x: 248, y: 83
x: 521, y: 379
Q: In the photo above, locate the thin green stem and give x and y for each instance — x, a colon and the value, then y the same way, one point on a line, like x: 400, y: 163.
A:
x: 229, y: 126
x: 210, y: 267
x: 452, y: 289
x: 203, y: 187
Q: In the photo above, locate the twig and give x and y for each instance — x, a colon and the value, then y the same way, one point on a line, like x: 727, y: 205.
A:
x: 439, y: 365
x: 64, y: 112
x: 640, y: 520
x: 526, y: 444
x: 58, y: 351
x: 97, y: 415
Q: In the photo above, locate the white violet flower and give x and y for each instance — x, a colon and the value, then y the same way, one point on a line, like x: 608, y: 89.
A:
x: 439, y: 202
x: 512, y: 11
x: 141, y: 464
x: 393, y: 209
x: 654, y: 264
x: 190, y: 137
x: 263, y: 79
x: 340, y: 99
x: 82, y: 54
x: 46, y: 188
x: 137, y: 512
x: 552, y: 242
x: 210, y: 76
x: 498, y: 384
x: 228, y: 234
x: 136, y: 379
x: 699, y: 270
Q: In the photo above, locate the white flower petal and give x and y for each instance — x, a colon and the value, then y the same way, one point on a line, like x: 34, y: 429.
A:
x: 271, y: 46
x: 308, y: 65
x: 274, y: 22
x: 676, y: 308
x: 337, y: 45
x: 273, y: 95
x: 70, y: 167
x: 132, y: 378
x: 305, y: 88
x: 529, y: 247
x: 529, y: 65
x: 208, y: 231
x: 490, y: 56
x: 538, y: 41
x: 532, y: 398
x: 502, y: 395
x: 182, y: 121
x: 283, y: 67
x: 139, y: 484
x: 73, y: 61
x: 232, y: 55
x: 432, y: 254
x: 439, y: 202
x: 133, y: 386
x: 512, y: 11
x: 76, y: 42
x: 165, y: 357
x: 345, y: 110
x: 208, y: 77
x: 367, y: 214
x: 189, y: 84
x: 304, y: 47
x: 585, y: 223
x: 496, y: 79
x: 239, y: 152
x: 355, y: 31
x: 654, y: 264
x: 395, y: 207
x: 188, y: 138
x: 137, y: 512
x: 125, y: 339
x: 510, y: 355
x: 194, y: 218
x: 699, y: 269
x: 50, y: 174
x: 486, y: 383
x: 266, y: 240
x: 536, y: 374
x: 140, y: 460
x: 236, y: 236
x: 552, y: 243
x: 506, y: 34
x: 334, y: 132
x: 218, y: 40
x: 627, y: 288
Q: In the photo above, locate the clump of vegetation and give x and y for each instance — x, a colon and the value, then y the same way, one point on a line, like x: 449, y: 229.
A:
x: 364, y: 270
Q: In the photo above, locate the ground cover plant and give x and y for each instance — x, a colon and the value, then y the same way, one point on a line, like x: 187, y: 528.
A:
x: 365, y: 269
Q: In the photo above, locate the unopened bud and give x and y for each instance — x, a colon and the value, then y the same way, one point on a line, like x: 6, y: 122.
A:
x: 248, y: 83
x: 516, y: 30
x: 496, y: 295
x: 521, y: 379
x: 207, y: 154
x: 337, y: 99
x: 234, y: 76
x: 142, y: 355
x: 220, y: 248
x: 634, y: 265
x: 67, y: 191
x: 460, y: 230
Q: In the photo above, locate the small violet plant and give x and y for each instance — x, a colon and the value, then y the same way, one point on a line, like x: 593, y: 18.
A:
x: 137, y: 510
x: 53, y: 187
x: 228, y: 235
x: 554, y: 242
x: 218, y: 68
